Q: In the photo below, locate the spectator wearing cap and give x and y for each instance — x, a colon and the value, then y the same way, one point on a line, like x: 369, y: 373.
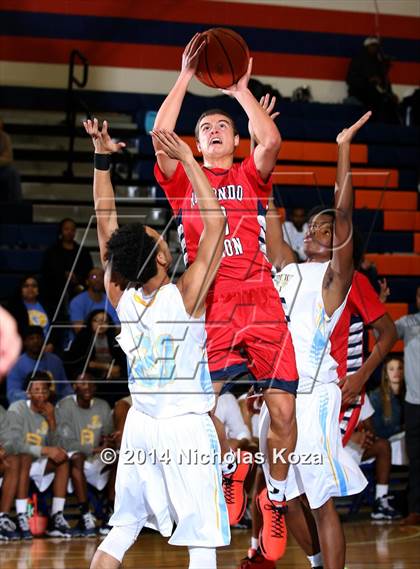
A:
x: 33, y: 359
x: 368, y: 81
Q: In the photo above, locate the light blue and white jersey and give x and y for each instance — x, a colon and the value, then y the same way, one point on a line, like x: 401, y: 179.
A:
x: 165, y: 348
x: 300, y: 290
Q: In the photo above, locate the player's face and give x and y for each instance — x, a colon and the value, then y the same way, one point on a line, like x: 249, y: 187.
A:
x: 216, y: 137
x: 164, y: 253
x: 395, y: 371
x: 39, y: 392
x: 30, y: 290
x: 318, y: 237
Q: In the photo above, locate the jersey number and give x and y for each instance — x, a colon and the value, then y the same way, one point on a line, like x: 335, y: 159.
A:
x: 227, y: 229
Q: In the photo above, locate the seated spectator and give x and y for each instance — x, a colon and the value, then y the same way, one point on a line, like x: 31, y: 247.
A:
x: 29, y: 309
x: 365, y: 445
x: 368, y: 81
x: 229, y: 413
x: 32, y: 432
x: 93, y: 298
x: 85, y: 427
x: 96, y: 350
x: 9, y: 471
x: 408, y: 329
x: 63, y: 260
x: 33, y: 340
x: 387, y: 400
x: 10, y: 188
x: 294, y: 231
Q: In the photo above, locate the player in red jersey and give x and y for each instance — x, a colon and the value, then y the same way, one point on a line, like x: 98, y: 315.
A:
x: 246, y: 327
x: 364, y: 308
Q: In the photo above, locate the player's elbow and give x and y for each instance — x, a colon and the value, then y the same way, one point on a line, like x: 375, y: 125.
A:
x: 391, y: 332
x: 386, y: 330
x: 273, y: 141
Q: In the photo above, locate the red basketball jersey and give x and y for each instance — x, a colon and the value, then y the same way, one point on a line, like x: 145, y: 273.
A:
x: 362, y: 308
x: 243, y: 196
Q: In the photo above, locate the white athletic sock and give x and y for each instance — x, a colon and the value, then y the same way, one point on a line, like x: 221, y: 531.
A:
x: 229, y: 462
x: 57, y: 505
x: 21, y: 506
x: 276, y: 489
x: 315, y: 560
x: 202, y: 558
x: 254, y: 542
x: 381, y: 490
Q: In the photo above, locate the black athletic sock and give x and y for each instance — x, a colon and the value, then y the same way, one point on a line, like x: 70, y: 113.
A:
x: 84, y: 507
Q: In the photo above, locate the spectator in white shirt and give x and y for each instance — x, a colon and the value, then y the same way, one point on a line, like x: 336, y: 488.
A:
x: 294, y: 231
x: 229, y: 413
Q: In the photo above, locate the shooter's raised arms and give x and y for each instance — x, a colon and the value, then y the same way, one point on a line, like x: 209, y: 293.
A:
x: 171, y: 106
x: 263, y: 127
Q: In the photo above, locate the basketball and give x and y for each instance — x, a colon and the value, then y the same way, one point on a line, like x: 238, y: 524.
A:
x: 224, y: 59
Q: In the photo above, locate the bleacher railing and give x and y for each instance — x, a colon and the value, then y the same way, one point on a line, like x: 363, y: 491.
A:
x: 75, y: 102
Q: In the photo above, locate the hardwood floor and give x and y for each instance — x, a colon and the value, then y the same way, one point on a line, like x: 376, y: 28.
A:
x: 369, y: 546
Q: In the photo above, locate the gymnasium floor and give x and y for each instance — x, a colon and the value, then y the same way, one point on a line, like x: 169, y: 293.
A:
x: 368, y: 546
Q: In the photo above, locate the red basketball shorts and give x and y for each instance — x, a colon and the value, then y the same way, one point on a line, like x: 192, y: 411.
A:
x: 247, y: 331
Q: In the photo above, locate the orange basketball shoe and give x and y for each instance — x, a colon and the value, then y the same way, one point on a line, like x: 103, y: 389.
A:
x: 273, y: 534
x: 234, y: 489
x: 257, y: 560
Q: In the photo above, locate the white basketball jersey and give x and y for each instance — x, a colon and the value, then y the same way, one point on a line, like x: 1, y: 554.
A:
x: 165, y: 348
x: 300, y: 290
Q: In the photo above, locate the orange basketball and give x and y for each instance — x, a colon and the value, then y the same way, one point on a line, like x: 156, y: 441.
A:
x: 224, y: 59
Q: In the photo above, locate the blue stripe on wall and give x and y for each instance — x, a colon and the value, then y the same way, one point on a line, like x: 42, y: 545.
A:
x: 124, y: 30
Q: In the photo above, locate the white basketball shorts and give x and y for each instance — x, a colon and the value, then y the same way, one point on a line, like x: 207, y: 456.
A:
x: 322, y: 468
x: 169, y: 472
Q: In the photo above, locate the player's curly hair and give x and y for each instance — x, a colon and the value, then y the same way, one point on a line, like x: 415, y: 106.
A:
x: 321, y: 210
x: 132, y: 253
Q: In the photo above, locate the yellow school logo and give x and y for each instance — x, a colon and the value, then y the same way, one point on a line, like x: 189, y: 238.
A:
x: 43, y: 429
x: 87, y: 437
x: 37, y: 318
x: 95, y: 422
x: 33, y: 439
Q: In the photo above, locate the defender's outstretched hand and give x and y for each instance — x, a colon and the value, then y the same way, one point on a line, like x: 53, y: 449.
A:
x: 267, y: 103
x: 172, y: 145
x: 102, y: 142
x: 347, y: 135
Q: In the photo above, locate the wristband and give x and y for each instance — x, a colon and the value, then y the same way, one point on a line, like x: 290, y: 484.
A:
x: 102, y: 161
